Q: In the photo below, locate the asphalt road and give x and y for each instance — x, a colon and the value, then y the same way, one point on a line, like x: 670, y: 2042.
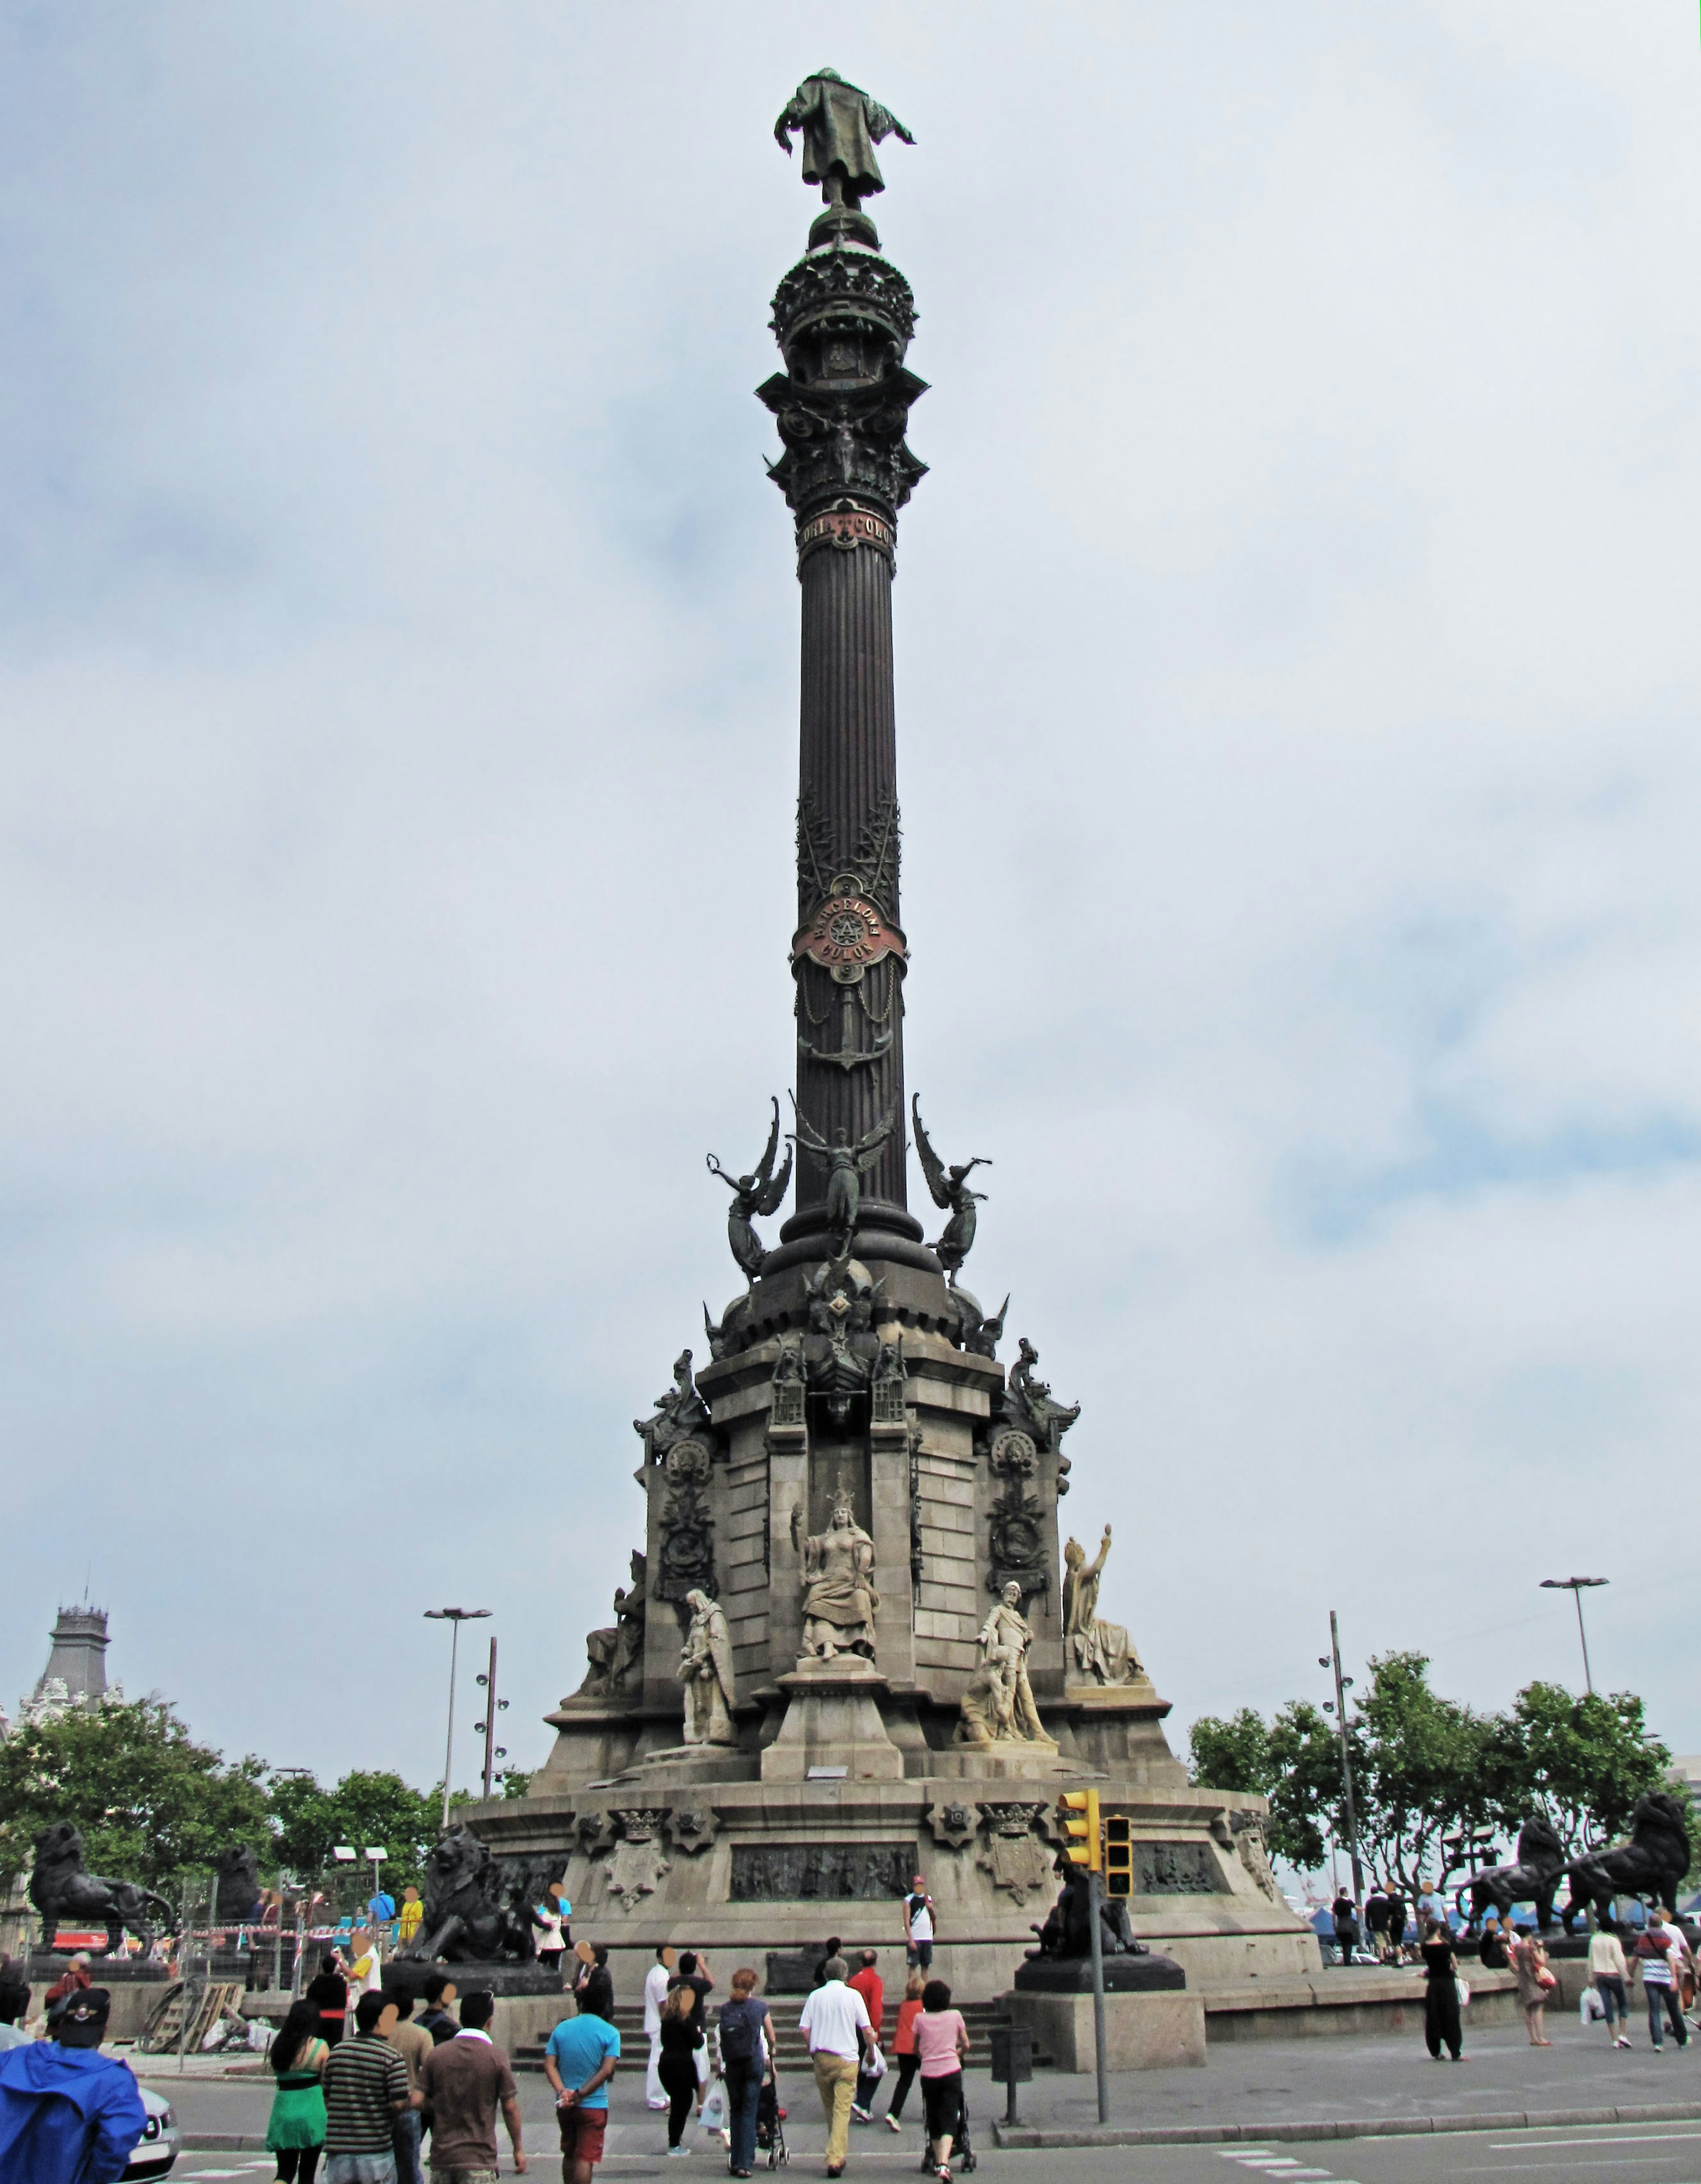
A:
x: 1659, y: 2153
x: 1257, y: 2086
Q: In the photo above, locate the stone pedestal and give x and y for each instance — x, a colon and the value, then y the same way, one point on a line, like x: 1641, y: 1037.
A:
x: 504, y: 1977
x: 1141, y: 2032
x: 833, y: 1721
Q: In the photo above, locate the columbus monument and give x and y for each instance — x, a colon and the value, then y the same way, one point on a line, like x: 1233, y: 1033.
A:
x: 852, y: 1647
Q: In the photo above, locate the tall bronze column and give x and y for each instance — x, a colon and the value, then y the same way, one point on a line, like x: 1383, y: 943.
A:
x: 843, y: 317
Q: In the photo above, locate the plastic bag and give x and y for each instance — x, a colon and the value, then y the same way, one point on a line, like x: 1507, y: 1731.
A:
x: 873, y: 2062
x: 714, y: 2116
x: 1463, y: 1988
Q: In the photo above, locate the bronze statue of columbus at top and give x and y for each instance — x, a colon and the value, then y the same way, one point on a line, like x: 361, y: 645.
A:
x: 840, y: 126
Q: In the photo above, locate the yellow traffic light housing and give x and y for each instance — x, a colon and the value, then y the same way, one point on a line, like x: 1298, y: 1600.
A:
x: 1078, y: 1814
x: 1118, y: 1855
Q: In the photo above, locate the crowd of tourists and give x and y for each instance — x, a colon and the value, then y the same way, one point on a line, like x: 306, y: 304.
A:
x: 375, y: 2091
x: 1660, y: 1953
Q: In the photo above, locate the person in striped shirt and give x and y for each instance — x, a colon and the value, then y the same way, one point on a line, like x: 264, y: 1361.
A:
x: 365, y: 2089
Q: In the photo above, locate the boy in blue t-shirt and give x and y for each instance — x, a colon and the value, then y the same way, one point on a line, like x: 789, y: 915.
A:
x: 579, y: 2060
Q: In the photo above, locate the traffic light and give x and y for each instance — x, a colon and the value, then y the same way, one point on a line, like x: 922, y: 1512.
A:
x: 1119, y: 1854
x: 1078, y: 1812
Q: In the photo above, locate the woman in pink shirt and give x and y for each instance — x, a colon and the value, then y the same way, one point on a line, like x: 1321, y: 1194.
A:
x: 942, y: 2042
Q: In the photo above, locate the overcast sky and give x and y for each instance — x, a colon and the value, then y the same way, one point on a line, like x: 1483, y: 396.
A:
x: 1298, y: 680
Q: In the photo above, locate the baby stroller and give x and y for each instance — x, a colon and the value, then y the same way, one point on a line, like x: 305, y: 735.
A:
x: 963, y: 2161
x: 771, y: 2124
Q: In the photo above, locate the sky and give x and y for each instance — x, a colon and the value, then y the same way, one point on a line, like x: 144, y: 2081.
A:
x: 1297, y: 698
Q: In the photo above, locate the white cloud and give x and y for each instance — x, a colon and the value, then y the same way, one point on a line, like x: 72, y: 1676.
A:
x: 1297, y: 693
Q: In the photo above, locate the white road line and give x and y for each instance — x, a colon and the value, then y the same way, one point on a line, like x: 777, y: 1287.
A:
x: 1524, y: 2169
x: 1638, y: 2138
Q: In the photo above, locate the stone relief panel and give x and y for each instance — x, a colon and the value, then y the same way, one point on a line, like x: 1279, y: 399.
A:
x: 778, y: 1873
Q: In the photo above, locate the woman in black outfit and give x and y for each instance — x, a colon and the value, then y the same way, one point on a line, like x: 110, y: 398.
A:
x: 1441, y: 1992
x: 680, y: 2038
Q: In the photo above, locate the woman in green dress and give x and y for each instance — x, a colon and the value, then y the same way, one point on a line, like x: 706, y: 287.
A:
x: 296, y: 2132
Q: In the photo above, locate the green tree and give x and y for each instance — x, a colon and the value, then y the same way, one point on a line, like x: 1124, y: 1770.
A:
x: 1423, y: 1777
x: 1418, y: 1772
x: 1294, y: 1761
x: 1231, y: 1753
x: 363, y: 1810
x: 1308, y: 1797
x: 1582, y: 1763
x: 152, y: 1804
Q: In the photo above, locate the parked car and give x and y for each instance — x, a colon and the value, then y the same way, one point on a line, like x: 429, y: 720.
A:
x: 160, y: 2142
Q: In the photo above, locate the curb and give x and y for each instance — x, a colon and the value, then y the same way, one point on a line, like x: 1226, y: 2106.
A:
x: 1038, y: 2137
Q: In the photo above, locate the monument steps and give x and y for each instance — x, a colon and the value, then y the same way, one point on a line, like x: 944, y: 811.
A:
x: 793, y: 2054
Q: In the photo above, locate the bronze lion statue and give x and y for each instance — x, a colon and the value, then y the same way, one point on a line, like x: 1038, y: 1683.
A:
x: 1533, y: 1877
x: 63, y: 1890
x: 1651, y: 1864
x: 477, y: 1906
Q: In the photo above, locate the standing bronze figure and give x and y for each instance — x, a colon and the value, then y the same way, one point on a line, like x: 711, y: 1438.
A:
x: 840, y: 126
x: 846, y: 1166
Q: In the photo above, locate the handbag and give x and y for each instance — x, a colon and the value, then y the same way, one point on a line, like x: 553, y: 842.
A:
x: 1462, y: 1989
x: 1544, y: 1979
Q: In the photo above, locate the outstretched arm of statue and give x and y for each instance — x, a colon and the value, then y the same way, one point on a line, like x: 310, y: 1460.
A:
x: 1097, y: 1569
x: 793, y: 115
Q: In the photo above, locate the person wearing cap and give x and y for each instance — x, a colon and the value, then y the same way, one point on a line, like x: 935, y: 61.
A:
x: 68, y: 2113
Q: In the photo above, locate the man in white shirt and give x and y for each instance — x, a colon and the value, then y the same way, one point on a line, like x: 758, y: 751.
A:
x: 836, y: 2019
x: 918, y: 1925
x: 655, y: 1994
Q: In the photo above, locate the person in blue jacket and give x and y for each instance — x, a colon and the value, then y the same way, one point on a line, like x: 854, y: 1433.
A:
x: 68, y: 2113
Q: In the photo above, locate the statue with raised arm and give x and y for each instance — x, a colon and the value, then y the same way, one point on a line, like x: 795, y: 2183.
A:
x: 840, y: 1603
x: 950, y: 1190
x: 1091, y: 1646
x: 847, y: 1165
x: 705, y: 1668
x: 840, y: 126
x: 760, y: 1192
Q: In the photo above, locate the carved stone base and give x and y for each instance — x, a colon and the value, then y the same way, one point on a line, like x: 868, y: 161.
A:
x: 691, y: 1763
x: 503, y: 1978
x: 833, y: 1720
x: 1027, y: 1762
x: 1143, y: 2031
x: 1126, y: 1974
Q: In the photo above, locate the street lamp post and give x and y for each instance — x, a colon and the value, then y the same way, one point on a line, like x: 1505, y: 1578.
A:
x: 1332, y: 1659
x: 1577, y: 1587
x: 454, y: 1617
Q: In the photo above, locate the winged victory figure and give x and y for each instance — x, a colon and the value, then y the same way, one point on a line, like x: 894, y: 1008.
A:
x: 846, y: 1166
x: 951, y: 1194
x: 761, y: 1193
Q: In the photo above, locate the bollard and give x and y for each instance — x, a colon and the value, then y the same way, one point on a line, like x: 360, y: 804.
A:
x: 1013, y: 2063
